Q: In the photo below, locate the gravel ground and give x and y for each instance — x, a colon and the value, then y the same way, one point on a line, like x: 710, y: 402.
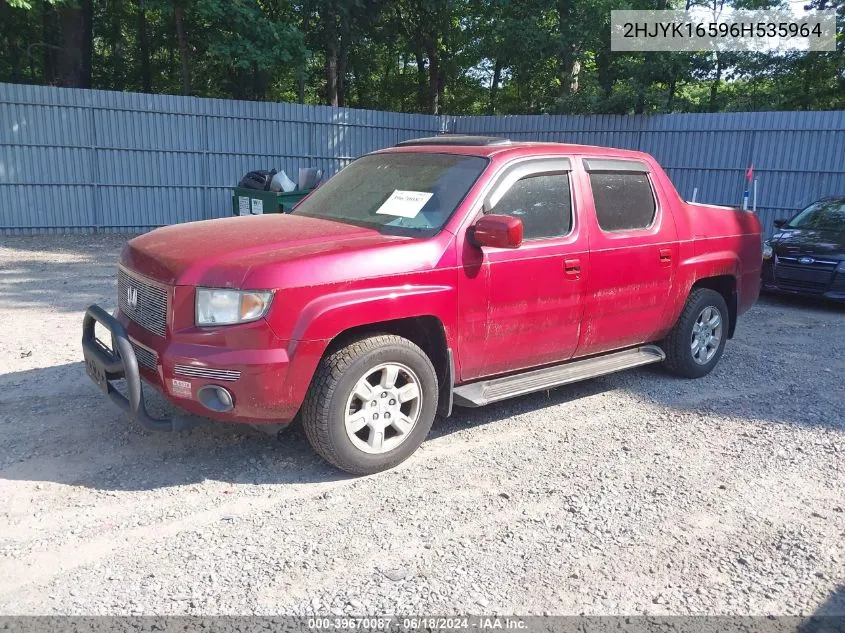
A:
x: 634, y: 493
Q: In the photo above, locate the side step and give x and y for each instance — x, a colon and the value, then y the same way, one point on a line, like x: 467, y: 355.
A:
x: 477, y: 394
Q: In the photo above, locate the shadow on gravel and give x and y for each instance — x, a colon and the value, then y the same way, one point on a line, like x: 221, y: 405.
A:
x: 465, y: 418
x: 829, y: 617
x: 55, y: 425
x: 834, y: 605
x: 798, y: 301
x: 66, y: 273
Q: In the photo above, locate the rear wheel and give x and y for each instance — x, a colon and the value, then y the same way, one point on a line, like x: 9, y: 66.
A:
x: 371, y: 404
x: 697, y: 341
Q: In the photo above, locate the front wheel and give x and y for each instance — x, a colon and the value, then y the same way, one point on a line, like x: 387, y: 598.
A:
x: 697, y: 341
x: 371, y: 404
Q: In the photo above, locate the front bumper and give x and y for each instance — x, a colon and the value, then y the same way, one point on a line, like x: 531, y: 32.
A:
x: 104, y: 365
x: 263, y: 389
x: 804, y: 282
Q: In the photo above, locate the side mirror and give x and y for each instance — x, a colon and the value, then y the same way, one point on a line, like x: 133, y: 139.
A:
x: 779, y: 224
x: 498, y: 231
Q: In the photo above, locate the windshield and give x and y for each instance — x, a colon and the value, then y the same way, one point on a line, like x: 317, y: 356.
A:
x: 400, y: 193
x: 824, y: 215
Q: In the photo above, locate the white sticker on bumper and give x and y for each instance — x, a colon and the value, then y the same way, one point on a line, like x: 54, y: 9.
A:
x: 180, y: 388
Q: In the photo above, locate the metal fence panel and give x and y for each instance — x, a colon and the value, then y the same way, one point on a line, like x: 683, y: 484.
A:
x: 91, y: 160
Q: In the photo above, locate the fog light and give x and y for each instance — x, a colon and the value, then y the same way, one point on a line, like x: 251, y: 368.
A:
x: 216, y: 398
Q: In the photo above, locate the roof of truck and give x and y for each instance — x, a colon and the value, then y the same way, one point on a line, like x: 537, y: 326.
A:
x: 494, y: 146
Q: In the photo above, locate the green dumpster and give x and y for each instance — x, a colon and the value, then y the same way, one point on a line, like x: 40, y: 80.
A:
x: 256, y: 202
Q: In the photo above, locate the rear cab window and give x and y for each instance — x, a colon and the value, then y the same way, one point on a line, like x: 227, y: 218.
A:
x: 622, y: 194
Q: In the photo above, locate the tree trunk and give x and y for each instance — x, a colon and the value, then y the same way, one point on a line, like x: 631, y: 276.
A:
x: 575, y: 76
x: 673, y: 87
x: 300, y: 86
x: 355, y: 71
x: 568, y: 67
x: 73, y: 68
x: 116, y: 45
x: 301, y: 75
x: 184, y: 53
x: 406, y: 60
x: 87, y: 44
x: 386, y: 78
x: 144, y: 49
x: 494, y: 87
x: 50, y: 39
x: 603, y: 71
x: 422, y: 90
x: 342, y: 63
x: 441, y: 83
x: 12, y: 42
x: 69, y: 62
x: 639, y: 104
x: 714, y: 87
x: 343, y: 58
x: 259, y: 90
x: 331, y: 74
x: 433, y: 78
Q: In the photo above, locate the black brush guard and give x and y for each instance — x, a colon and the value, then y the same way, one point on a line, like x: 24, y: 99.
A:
x: 104, y: 365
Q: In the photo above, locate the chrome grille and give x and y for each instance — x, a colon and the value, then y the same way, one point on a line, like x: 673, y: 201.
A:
x: 206, y: 372
x: 146, y: 357
x: 150, y: 302
x: 812, y: 274
x: 819, y: 264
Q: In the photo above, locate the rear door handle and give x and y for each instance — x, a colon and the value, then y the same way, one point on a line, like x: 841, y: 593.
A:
x: 665, y: 257
x: 572, y: 268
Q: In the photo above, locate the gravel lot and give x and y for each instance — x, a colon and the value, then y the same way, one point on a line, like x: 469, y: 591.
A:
x: 634, y: 493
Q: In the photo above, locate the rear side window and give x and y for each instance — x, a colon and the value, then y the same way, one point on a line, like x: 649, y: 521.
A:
x: 624, y: 200
x: 542, y: 202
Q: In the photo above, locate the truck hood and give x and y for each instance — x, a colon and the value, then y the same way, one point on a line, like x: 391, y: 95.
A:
x: 809, y: 242
x: 221, y: 253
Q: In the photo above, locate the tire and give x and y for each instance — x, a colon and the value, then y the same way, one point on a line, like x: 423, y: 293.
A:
x: 334, y: 400
x: 685, y: 358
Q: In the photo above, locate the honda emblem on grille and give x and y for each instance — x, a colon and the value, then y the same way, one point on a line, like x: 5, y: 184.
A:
x: 806, y: 260
x: 132, y: 297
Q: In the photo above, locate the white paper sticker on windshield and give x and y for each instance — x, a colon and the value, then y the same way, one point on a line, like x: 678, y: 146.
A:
x: 404, y: 204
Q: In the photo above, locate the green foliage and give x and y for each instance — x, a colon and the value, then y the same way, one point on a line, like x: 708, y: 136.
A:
x: 447, y: 56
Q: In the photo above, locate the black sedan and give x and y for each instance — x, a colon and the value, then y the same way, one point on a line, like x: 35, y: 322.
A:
x: 806, y: 255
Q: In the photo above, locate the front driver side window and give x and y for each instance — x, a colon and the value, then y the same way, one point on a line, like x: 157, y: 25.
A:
x: 543, y: 203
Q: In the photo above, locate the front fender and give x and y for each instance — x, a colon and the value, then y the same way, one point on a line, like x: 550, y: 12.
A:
x: 328, y: 315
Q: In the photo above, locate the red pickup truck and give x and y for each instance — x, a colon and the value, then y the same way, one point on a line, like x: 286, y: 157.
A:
x: 453, y: 269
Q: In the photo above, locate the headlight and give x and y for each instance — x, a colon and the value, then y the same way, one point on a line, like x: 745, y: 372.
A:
x: 767, y: 250
x: 841, y: 267
x: 226, y: 307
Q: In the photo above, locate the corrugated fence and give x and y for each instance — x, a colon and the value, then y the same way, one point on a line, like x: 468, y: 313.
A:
x: 85, y: 160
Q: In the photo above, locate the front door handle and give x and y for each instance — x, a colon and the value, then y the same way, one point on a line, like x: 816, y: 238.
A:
x: 572, y: 268
x: 665, y: 257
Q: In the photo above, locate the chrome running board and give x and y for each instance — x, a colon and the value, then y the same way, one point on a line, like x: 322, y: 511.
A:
x: 477, y: 394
